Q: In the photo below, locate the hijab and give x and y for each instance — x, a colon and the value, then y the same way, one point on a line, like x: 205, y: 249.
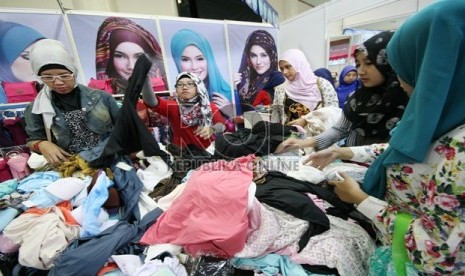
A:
x: 48, y: 52
x: 325, y: 74
x: 15, y: 38
x: 214, y: 80
x: 111, y: 33
x: 196, y: 111
x: 251, y: 82
x: 303, y: 89
x: 344, y: 89
x: 374, y: 111
x: 437, y: 102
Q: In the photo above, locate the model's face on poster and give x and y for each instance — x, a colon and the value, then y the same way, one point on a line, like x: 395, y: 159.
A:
x: 125, y: 57
x: 260, y: 59
x: 21, y: 67
x: 193, y: 61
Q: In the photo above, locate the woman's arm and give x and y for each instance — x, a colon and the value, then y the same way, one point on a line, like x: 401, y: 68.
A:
x: 148, y: 95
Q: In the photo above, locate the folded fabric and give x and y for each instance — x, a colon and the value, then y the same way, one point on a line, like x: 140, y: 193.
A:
x: 36, y: 161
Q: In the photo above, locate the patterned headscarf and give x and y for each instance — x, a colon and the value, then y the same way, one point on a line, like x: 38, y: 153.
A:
x: 112, y: 32
x: 214, y: 81
x: 437, y: 101
x: 251, y: 82
x: 196, y: 111
x: 374, y: 111
x: 303, y: 89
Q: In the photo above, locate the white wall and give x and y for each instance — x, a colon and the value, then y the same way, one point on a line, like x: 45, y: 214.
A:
x: 149, y: 7
x: 311, y: 30
x: 308, y: 31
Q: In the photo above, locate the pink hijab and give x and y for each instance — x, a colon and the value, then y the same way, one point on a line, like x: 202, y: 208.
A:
x: 303, y: 89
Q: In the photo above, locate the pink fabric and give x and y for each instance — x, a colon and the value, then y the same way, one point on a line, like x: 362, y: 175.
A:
x: 18, y: 166
x: 210, y: 216
x: 303, y: 89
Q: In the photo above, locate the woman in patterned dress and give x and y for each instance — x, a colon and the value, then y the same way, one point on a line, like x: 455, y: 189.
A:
x: 418, y: 182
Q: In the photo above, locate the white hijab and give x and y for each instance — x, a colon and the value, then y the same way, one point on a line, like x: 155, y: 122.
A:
x: 44, y: 52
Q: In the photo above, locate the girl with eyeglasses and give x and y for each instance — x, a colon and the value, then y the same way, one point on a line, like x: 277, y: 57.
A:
x: 192, y: 117
x: 66, y: 117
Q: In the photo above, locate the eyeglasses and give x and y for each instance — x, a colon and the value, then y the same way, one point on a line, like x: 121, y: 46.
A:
x: 188, y: 85
x: 62, y: 77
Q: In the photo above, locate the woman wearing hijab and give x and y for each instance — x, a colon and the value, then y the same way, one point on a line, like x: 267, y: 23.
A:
x: 66, y: 117
x: 325, y: 74
x: 258, y: 73
x: 413, y: 191
x: 347, y: 83
x: 193, y: 119
x: 373, y: 110
x: 302, y: 91
x: 120, y: 42
x: 15, y: 46
x: 192, y: 53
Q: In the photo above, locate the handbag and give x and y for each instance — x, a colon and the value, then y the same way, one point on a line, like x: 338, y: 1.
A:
x: 20, y: 92
x: 322, y: 102
x: 104, y: 85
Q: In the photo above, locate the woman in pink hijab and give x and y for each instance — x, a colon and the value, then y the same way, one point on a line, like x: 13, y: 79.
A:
x: 302, y: 91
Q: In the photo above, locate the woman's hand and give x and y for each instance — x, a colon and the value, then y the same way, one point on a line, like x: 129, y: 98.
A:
x: 348, y: 190
x: 300, y: 122
x: 53, y: 153
x: 225, y: 106
x: 289, y: 144
x: 237, y: 79
x: 204, y: 132
x: 321, y: 159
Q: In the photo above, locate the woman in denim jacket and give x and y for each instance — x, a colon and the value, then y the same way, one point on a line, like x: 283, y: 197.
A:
x: 66, y: 117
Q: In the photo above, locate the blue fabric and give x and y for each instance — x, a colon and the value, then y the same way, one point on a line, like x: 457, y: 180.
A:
x: 270, y: 265
x: 427, y: 52
x: 344, y: 89
x: 14, y: 39
x: 215, y: 81
x: 92, y: 205
x: 37, y: 181
x: 6, y: 216
x: 326, y: 74
x: 3, y: 98
x: 7, y: 187
x: 44, y: 199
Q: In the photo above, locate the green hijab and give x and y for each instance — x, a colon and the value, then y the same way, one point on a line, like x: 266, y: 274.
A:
x: 428, y: 53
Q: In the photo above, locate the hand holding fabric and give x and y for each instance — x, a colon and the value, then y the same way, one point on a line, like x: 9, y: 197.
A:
x: 348, y: 190
x: 223, y: 104
x: 205, y: 132
x: 53, y: 153
x: 321, y: 159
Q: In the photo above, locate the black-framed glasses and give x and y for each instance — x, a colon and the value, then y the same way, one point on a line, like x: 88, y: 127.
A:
x: 188, y: 85
x: 62, y: 77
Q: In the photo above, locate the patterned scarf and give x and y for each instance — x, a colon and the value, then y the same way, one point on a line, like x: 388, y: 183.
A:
x: 111, y: 33
x: 374, y: 111
x: 196, y: 111
x: 252, y: 82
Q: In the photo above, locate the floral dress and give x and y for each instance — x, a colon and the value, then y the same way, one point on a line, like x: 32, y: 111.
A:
x: 434, y: 193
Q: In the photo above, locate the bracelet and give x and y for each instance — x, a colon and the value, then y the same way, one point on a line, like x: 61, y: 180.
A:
x: 35, y: 147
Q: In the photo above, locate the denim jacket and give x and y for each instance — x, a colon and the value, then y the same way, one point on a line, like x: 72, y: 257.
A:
x: 101, y: 114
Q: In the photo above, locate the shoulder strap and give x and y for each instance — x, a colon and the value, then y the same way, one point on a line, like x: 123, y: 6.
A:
x: 322, y: 102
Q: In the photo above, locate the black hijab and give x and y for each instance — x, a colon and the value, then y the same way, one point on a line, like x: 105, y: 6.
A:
x: 374, y: 111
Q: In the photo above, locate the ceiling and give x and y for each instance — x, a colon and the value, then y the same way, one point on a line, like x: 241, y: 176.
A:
x: 313, y: 3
